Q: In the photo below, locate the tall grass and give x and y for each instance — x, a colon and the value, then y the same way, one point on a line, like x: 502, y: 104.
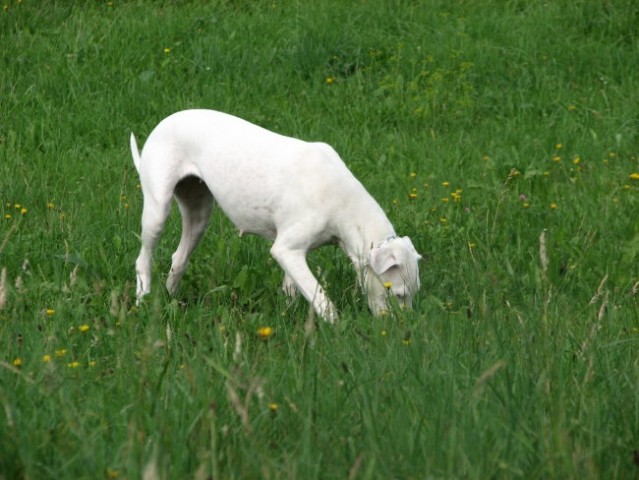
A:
x: 501, y: 136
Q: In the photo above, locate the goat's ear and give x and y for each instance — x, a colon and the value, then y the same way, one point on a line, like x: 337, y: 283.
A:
x: 410, y: 246
x: 382, y: 259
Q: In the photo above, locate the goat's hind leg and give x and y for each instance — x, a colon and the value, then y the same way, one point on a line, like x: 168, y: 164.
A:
x: 154, y: 215
x: 196, y: 204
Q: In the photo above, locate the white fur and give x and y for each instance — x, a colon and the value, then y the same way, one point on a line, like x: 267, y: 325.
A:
x: 300, y: 195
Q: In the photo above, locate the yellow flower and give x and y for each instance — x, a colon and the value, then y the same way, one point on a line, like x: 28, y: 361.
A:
x: 84, y: 328
x: 273, y: 407
x: 383, y: 333
x: 112, y: 473
x: 445, y: 184
x: 329, y: 80
x: 388, y: 285
x: 61, y: 352
x: 92, y: 363
x: 556, y: 158
x: 576, y: 160
x: 525, y: 205
x: 50, y: 312
x: 23, y: 211
x: 471, y: 245
x: 46, y: 358
x: 412, y: 195
x: 572, y: 108
x: 265, y: 332
x: 559, y: 146
x: 167, y: 50
x: 412, y: 174
x: 50, y: 205
x: 634, y: 176
x: 553, y: 206
x: 17, y: 206
x: 17, y: 362
x: 73, y: 364
x: 8, y: 216
x: 445, y: 199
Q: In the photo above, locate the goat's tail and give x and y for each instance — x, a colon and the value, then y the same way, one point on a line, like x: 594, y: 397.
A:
x: 135, y: 152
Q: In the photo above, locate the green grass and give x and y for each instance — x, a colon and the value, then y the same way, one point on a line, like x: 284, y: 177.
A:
x: 468, y: 121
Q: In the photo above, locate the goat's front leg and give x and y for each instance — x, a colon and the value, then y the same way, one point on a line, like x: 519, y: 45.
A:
x: 289, y: 287
x: 293, y: 262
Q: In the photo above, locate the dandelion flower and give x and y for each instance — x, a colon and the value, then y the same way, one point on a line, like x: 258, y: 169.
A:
x: 17, y: 362
x: 50, y: 205
x: 329, y: 80
x: 634, y: 176
x: 553, y: 206
x: 572, y: 108
x: 61, y: 352
x: 559, y: 146
x: 46, y: 358
x: 383, y: 333
x: 388, y: 285
x: 84, y: 328
x: 265, y: 332
x: 50, y: 312
x: 273, y: 407
x: 112, y: 473
x: 8, y: 216
x: 576, y: 160
x: 23, y: 211
x: 412, y: 195
x: 412, y: 174
x: 167, y: 50
x: 445, y: 184
x: 73, y: 364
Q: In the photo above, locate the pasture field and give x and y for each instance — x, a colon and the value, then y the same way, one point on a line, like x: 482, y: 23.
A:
x: 500, y: 135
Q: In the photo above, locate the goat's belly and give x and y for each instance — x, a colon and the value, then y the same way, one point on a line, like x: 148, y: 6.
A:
x: 255, y: 220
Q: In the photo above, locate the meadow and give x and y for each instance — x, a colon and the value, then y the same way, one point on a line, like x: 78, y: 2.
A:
x: 501, y: 136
